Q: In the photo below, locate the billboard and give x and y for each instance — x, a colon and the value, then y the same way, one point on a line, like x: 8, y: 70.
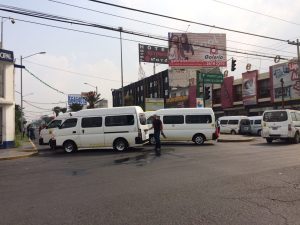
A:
x: 197, y: 50
x: 76, y: 99
x: 153, y: 104
x: 288, y: 72
x: 199, y: 103
x: 181, y: 77
x: 153, y: 54
x: 249, y: 87
x: 227, y: 92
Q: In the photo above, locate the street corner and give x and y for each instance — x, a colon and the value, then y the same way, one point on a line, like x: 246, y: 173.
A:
x: 235, y: 138
x: 10, y: 154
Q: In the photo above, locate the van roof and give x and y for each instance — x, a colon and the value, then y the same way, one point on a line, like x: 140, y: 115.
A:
x: 110, y: 111
x: 255, y: 117
x: 232, y: 117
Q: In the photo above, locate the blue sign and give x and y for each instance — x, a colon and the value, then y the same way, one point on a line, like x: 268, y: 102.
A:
x: 7, y: 56
x: 76, y: 99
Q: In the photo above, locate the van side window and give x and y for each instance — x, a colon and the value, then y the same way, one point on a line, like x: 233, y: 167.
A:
x: 298, y: 116
x: 91, y: 122
x: 245, y: 122
x: 190, y: 119
x: 123, y: 120
x: 257, y: 122
x: 293, y: 115
x: 173, y: 119
x: 223, y: 122
x: 69, y: 123
x: 54, y: 124
x: 149, y: 120
x: 142, y: 118
x: 233, y: 122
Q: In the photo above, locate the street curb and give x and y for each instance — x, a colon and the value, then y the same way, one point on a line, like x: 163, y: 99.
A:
x: 19, y: 157
x: 236, y: 140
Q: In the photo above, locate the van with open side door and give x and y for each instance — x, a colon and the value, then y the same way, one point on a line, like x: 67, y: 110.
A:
x: 234, y: 125
x: 186, y: 124
x: 255, y: 125
x: 118, y: 127
x: 281, y: 124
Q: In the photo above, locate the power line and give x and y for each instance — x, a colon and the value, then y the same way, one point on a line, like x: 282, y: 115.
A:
x: 34, y: 105
x: 153, y: 24
x: 44, y: 103
x: 45, y: 82
x: 64, y: 20
x: 187, y: 21
x: 259, y: 13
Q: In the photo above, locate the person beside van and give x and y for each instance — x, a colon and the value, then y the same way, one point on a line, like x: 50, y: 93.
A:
x: 158, y: 129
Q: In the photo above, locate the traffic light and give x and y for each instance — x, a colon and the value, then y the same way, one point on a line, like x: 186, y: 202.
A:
x: 207, y: 93
x: 233, y: 64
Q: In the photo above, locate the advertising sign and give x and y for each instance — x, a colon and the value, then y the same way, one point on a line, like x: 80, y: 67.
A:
x: 181, y: 77
x: 197, y: 50
x: 153, y: 104
x: 288, y: 72
x: 153, y: 54
x: 76, y: 99
x: 227, y: 93
x: 249, y: 87
x: 7, y: 56
x: 199, y: 103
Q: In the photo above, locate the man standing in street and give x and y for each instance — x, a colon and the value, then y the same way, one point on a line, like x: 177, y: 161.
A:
x: 158, y: 129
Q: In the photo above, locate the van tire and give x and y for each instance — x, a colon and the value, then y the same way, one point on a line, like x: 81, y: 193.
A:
x: 259, y: 133
x: 120, y: 145
x: 296, y: 138
x: 269, y: 140
x: 199, y: 139
x: 152, y: 140
x: 70, y: 147
x: 233, y: 132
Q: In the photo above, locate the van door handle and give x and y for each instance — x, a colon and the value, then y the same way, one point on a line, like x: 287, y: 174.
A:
x: 83, y: 131
x: 74, y: 132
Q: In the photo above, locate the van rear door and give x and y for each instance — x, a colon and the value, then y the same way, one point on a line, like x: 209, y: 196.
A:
x: 276, y: 123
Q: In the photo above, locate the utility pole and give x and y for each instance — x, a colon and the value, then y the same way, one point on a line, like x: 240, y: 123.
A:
x: 123, y: 102
x: 282, y: 93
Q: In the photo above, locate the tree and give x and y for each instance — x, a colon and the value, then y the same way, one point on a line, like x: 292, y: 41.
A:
x: 76, y: 107
x: 18, y: 115
x: 58, y: 109
x: 92, y: 98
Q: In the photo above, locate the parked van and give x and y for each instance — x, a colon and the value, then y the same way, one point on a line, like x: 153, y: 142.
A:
x: 47, y: 133
x: 281, y: 124
x: 234, y: 125
x: 119, y: 127
x: 255, y: 124
x: 186, y: 124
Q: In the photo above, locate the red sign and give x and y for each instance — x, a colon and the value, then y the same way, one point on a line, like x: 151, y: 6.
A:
x: 227, y: 93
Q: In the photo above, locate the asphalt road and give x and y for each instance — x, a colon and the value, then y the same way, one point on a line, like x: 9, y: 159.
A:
x: 218, y: 183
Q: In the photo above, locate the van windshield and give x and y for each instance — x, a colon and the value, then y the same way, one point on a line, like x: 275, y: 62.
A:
x: 275, y: 116
x: 143, y: 120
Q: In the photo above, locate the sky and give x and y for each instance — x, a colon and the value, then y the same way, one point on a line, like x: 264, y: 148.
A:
x: 74, y: 58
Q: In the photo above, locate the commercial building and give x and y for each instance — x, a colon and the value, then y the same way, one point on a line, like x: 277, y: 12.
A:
x: 7, y: 99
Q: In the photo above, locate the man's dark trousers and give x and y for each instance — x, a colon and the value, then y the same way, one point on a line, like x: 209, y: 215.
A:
x: 157, y: 142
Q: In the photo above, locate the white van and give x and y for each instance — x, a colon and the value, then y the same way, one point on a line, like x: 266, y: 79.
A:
x: 281, y: 124
x: 186, y: 124
x: 47, y: 133
x: 119, y: 127
x: 255, y: 125
x: 234, y: 125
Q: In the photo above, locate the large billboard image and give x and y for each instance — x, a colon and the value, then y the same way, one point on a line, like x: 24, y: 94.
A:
x: 197, y: 50
x: 249, y: 88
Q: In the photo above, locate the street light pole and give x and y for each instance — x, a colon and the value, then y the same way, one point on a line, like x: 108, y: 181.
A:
x: 96, y: 87
x: 21, y: 62
x: 1, y: 32
x: 120, y: 28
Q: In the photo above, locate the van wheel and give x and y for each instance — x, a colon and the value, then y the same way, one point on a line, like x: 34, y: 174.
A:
x: 152, y: 140
x: 259, y: 133
x: 199, y: 139
x: 233, y: 132
x: 296, y: 138
x: 70, y: 147
x: 269, y: 140
x: 120, y: 145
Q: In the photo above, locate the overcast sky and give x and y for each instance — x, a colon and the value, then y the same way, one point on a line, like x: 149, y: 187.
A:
x: 96, y: 59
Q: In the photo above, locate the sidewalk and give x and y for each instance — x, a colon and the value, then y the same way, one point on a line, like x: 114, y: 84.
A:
x: 27, y: 149
x: 234, y: 138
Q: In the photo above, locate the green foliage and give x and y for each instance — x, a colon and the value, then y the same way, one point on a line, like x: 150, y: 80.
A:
x: 92, y: 98
x: 58, y: 109
x: 76, y: 107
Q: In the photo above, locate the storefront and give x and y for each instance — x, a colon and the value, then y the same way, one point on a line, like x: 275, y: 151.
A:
x: 7, y: 100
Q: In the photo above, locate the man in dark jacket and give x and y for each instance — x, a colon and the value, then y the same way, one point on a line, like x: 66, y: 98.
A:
x: 158, y: 129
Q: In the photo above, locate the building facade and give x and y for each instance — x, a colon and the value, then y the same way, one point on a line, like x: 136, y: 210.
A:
x: 7, y: 99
